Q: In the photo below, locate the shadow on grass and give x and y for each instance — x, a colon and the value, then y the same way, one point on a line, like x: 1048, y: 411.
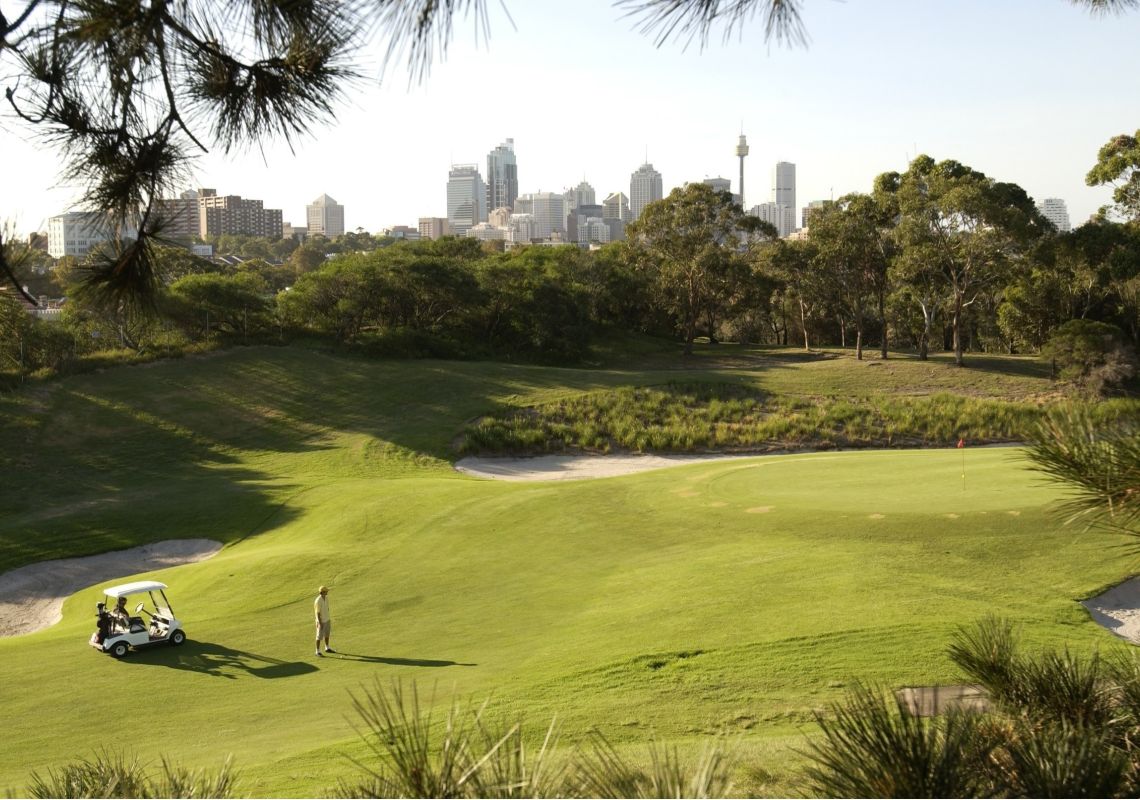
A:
x: 396, y: 662
x: 210, y: 658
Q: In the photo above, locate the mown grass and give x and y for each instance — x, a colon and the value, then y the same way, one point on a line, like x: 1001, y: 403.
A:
x: 736, y: 595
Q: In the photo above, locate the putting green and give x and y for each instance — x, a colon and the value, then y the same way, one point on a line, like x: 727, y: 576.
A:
x: 733, y: 594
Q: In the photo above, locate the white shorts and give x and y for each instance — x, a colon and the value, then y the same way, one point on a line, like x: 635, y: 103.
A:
x: 323, y: 629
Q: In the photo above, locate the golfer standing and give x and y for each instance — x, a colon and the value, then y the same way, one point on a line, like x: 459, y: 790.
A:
x: 324, y: 622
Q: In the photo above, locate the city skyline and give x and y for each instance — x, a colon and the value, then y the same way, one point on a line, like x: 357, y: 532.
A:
x: 876, y: 86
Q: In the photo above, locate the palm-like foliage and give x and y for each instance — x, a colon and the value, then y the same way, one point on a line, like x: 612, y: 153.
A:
x: 1059, y: 726
x: 468, y: 754
x: 116, y: 774
x: 1099, y: 461
x: 875, y: 746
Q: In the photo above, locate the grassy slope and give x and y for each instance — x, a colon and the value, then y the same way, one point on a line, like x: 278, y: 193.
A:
x: 792, y: 576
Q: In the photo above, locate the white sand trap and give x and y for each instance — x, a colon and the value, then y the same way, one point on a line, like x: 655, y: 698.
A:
x: 31, y: 597
x: 573, y: 468
x: 1118, y: 609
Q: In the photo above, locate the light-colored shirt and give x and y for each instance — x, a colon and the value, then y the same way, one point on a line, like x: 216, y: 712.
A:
x: 321, y: 607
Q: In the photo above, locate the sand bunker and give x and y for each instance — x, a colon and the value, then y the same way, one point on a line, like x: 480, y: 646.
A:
x: 574, y: 468
x: 31, y: 597
x: 1118, y: 609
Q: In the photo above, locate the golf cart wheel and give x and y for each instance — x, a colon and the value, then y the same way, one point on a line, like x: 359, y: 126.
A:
x: 118, y: 649
x: 178, y: 637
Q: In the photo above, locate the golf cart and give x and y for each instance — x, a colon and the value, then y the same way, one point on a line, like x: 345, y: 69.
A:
x: 118, y: 631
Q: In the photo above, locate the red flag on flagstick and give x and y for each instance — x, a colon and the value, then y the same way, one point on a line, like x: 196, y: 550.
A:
x: 961, y: 442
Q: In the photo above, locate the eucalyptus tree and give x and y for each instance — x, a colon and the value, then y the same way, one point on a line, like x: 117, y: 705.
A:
x: 694, y: 247
x: 851, y: 239
x: 1118, y: 163
x: 964, y: 230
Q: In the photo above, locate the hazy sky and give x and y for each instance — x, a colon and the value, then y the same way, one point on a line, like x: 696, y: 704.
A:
x: 1024, y: 91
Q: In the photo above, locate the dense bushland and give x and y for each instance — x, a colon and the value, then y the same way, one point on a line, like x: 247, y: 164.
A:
x: 690, y: 417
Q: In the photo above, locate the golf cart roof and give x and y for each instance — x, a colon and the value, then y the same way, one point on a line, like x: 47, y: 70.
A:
x: 134, y: 588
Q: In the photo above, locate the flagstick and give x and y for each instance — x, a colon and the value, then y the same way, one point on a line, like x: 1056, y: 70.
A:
x: 963, y: 449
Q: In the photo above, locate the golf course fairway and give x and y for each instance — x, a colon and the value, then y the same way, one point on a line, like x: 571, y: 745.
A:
x: 738, y: 595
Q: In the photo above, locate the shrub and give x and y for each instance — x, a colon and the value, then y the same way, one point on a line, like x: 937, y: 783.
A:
x: 1091, y: 354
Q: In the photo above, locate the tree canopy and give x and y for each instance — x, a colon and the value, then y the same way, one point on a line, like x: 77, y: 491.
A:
x: 128, y: 90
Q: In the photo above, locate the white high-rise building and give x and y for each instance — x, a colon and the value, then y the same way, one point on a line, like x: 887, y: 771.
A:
x: 593, y: 229
x: 581, y: 195
x: 502, y: 176
x: 76, y: 232
x: 781, y: 216
x: 466, y: 198
x: 549, y: 210
x: 520, y: 228
x: 1055, y: 210
x: 325, y: 217
x: 644, y: 188
x: 784, y: 189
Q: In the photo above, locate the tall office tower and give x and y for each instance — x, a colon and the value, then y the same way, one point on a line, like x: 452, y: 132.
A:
x: 325, y: 216
x: 466, y: 198
x: 616, y: 206
x: 741, y: 152
x: 644, y: 188
x: 76, y: 232
x: 784, y: 188
x: 549, y: 210
x: 524, y: 204
x: 502, y: 176
x: 434, y: 228
x: 583, y: 195
x: 579, y: 215
x: 1054, y: 210
x: 180, y: 216
x: 218, y: 215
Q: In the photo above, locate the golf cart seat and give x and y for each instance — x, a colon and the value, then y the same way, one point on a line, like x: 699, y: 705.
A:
x: 137, y: 625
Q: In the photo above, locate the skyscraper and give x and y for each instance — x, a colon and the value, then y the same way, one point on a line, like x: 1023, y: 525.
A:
x: 466, y: 198
x: 325, y: 217
x: 784, y: 189
x: 583, y: 195
x: 549, y: 214
x: 644, y: 188
x: 1054, y: 210
x: 502, y: 176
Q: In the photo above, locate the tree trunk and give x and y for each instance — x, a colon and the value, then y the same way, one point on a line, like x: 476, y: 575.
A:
x: 784, y: 319
x: 956, y: 323
x: 842, y: 334
x: 803, y: 324
x: 883, y: 318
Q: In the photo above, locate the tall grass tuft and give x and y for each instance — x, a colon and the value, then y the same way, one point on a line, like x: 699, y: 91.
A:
x: 1050, y: 686
x: 111, y: 773
x: 461, y: 756
x: 873, y: 746
x: 600, y: 771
